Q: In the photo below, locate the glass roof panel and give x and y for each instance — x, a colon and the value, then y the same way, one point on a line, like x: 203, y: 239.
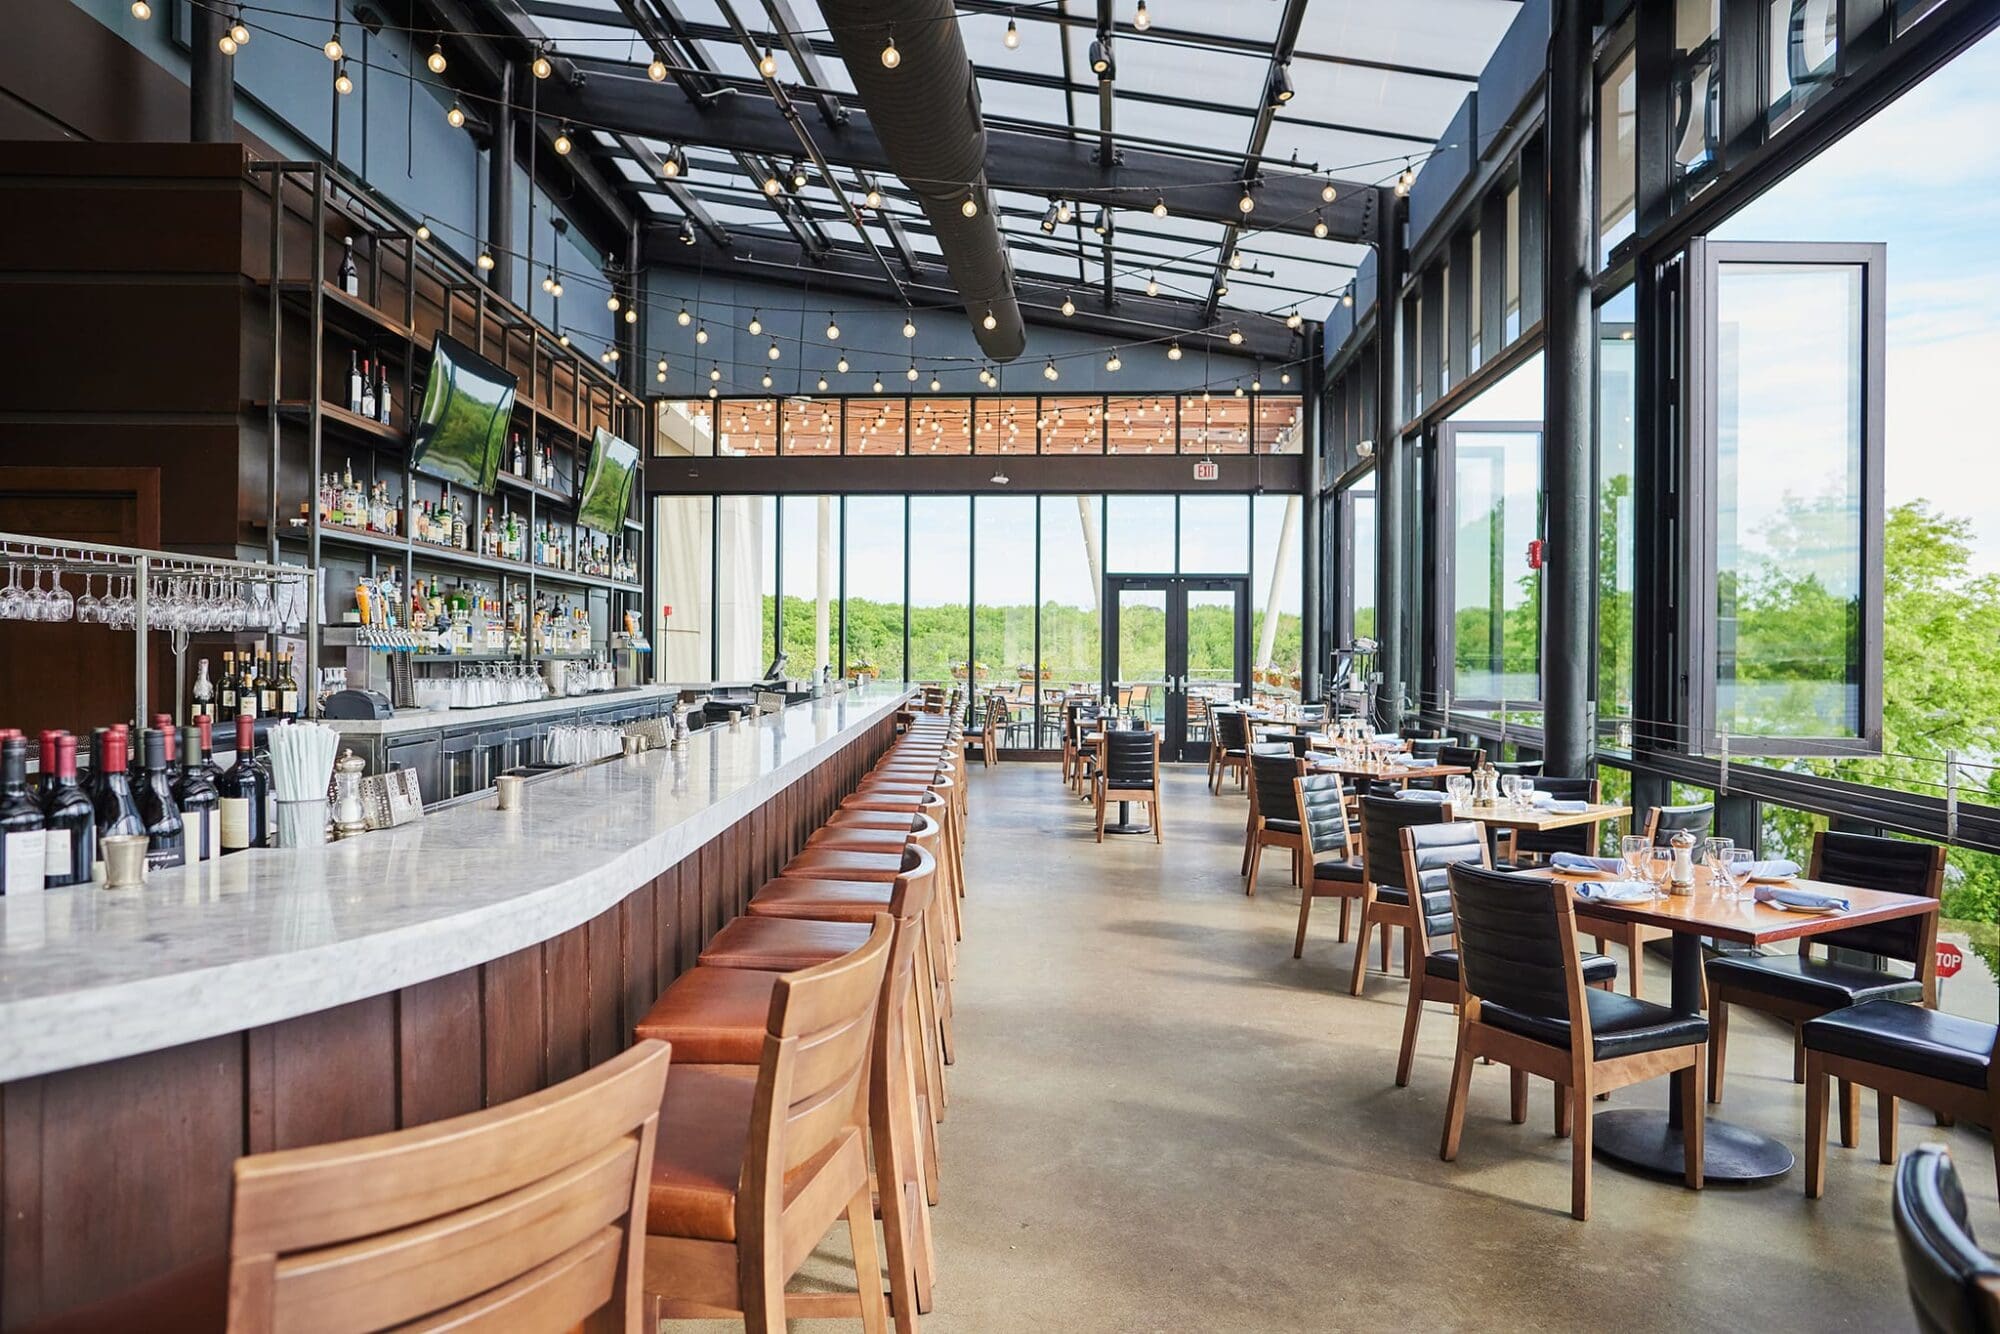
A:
x: 1178, y: 70
x: 1372, y: 98
x: 1455, y: 35
x: 1022, y: 101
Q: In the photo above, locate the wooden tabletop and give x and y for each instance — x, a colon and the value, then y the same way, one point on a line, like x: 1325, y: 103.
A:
x: 1706, y: 913
x: 1538, y: 818
x: 1388, y: 773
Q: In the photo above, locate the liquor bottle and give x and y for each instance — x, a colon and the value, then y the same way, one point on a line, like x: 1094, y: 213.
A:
x: 204, y: 691
x: 114, y: 806
x: 367, y: 389
x: 288, y: 692
x: 353, y: 380
x: 350, y: 276
x: 69, y: 826
x: 166, y: 837
x: 23, y: 855
x: 520, y: 457
x: 458, y: 523
x: 241, y: 794
x: 200, y: 805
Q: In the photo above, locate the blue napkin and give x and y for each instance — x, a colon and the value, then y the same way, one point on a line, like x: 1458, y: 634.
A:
x: 1616, y: 891
x: 1424, y: 794
x: 1775, y: 869
x: 1572, y: 861
x: 1800, y: 898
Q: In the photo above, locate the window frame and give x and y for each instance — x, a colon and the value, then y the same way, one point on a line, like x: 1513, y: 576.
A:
x: 1440, y: 584
x: 1699, y: 469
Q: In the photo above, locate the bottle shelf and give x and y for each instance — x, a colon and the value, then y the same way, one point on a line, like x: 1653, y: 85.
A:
x: 350, y: 314
x: 536, y: 489
x: 343, y: 423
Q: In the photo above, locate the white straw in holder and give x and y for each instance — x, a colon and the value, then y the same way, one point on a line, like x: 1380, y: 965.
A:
x: 302, y: 757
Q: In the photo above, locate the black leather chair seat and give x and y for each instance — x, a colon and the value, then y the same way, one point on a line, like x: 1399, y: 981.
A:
x: 1619, y: 1025
x: 1906, y: 1037
x: 1282, y: 826
x: 1831, y: 986
x: 1596, y: 967
x: 1347, y: 873
x: 1128, y: 784
x: 1391, y: 894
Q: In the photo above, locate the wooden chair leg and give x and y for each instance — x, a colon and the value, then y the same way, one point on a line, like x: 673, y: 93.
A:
x: 1850, y: 1114
x: 1305, y: 912
x: 1885, y: 1132
x: 1256, y: 857
x: 1411, y: 1018
x: 1517, y: 1094
x: 867, y: 1262
x: 1816, y: 1094
x: 1387, y: 931
x: 1361, y: 952
x: 1563, y: 1104
x: 1579, y: 1153
x: 1718, y: 1047
x: 1153, y: 809
x: 1454, y: 1105
x: 1798, y: 1053
x: 1345, y: 902
x: 1408, y: 953
x: 1100, y: 815
x: 1636, y: 952
x: 1694, y: 1125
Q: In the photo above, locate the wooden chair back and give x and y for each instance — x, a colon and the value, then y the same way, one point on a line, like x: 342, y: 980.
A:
x: 1517, y: 947
x: 528, y: 1216
x: 1894, y: 864
x: 812, y: 1087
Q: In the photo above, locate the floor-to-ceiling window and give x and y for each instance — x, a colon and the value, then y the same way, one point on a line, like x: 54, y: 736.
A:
x: 1615, y: 647
x: 940, y: 583
x: 1275, y: 628
x: 875, y: 588
x: 1003, y: 606
x: 746, y: 587
x: 811, y: 583
x: 684, y: 587
x: 1072, y: 584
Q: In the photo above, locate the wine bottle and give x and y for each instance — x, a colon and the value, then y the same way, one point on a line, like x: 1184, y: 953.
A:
x: 204, y: 691
x: 166, y: 837
x: 367, y: 408
x: 23, y: 856
x: 165, y: 722
x: 382, y: 392
x: 69, y: 826
x: 241, y: 794
x: 350, y: 276
x: 201, y: 805
x: 265, y: 686
x: 45, y: 772
x: 353, y: 380
x: 288, y: 692
x: 205, y: 729
x: 116, y: 810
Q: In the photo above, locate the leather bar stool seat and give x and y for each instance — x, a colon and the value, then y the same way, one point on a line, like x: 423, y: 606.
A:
x: 826, y: 900
x: 698, y: 1167
x: 720, y: 1013
x: 850, y: 838
x: 783, y: 944
x: 861, y: 818
x: 842, y: 864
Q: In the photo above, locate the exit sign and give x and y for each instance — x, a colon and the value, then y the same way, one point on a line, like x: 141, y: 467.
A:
x: 1207, y: 471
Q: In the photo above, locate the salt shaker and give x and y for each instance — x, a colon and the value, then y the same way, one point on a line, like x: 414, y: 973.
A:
x: 1681, y: 876
x: 349, y: 818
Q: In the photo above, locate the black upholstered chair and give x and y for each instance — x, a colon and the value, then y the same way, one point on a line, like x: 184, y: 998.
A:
x: 1416, y: 731
x: 1429, y: 747
x: 1129, y: 770
x: 1330, y: 848
x: 1802, y: 986
x: 1936, y: 1060
x: 1518, y: 846
x: 1229, y: 747
x: 1526, y: 1006
x: 1954, y: 1285
x: 1274, y: 812
x: 1663, y: 822
x: 1385, y: 894
x: 1461, y: 757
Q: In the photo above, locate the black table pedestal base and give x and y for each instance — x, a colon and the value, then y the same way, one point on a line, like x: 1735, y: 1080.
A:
x: 1644, y: 1141
x: 1125, y: 825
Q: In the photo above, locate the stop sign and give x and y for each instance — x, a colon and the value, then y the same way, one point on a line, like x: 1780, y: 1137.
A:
x: 1950, y: 958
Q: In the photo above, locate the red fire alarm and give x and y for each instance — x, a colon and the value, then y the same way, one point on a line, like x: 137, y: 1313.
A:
x: 667, y: 609
x: 1537, y: 553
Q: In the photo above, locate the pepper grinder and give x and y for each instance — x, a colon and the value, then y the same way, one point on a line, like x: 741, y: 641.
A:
x: 1681, y: 876
x: 349, y: 818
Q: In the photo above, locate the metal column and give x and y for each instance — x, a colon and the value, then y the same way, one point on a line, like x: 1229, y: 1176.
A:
x: 211, y: 79
x: 500, y: 188
x: 1392, y: 479
x: 1569, y: 408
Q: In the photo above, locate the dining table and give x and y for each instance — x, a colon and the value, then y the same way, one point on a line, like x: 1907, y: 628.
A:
x: 1541, y: 819
x: 1649, y: 1140
x: 1322, y: 763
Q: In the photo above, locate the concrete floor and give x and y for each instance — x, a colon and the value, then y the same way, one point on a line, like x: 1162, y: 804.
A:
x: 1162, y: 1121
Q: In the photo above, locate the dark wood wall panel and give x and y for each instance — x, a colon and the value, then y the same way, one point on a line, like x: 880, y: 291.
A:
x: 114, y: 1179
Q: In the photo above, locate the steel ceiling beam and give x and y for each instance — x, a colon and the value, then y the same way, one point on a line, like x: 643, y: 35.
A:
x: 1289, y: 23
x: 610, y: 97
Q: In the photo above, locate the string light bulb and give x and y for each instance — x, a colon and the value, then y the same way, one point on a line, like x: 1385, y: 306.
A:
x: 766, y: 381
x: 542, y: 68
x: 1347, y: 297
x: 1319, y: 226
x: 611, y: 303
x: 911, y: 374
x: 1049, y: 371
x: 1063, y: 211
x: 563, y: 338
x: 714, y: 372
x: 341, y: 83
x: 631, y: 314
x: 436, y: 59
x: 1068, y: 306
x: 970, y: 208
x: 713, y: 392
x: 767, y: 64
x: 563, y: 144
x: 891, y: 57
x: 423, y: 231
x: 1173, y: 351
x: 657, y: 70
x: 674, y: 164
x: 832, y: 329
x: 660, y: 376
x: 141, y: 10
x: 1284, y: 377
x: 455, y: 117
x: 1159, y: 206
x: 1013, y: 38
x: 1235, y: 259
x: 990, y: 322
x: 683, y: 319
x: 877, y: 385
x: 935, y: 386
x: 1404, y: 180
x: 873, y: 198
x: 772, y: 353
x: 771, y: 185
x: 1235, y: 336
x: 756, y: 322
x: 1246, y: 203
x: 909, y: 327
x: 1294, y: 320
x: 485, y: 261
x: 226, y: 44
x: 1112, y: 363
x: 663, y: 365
x: 1152, y: 285
x: 1327, y: 194
x: 841, y: 365
x: 1239, y: 391
x: 333, y: 50
x: 822, y: 384
x: 701, y: 333
x: 1140, y: 18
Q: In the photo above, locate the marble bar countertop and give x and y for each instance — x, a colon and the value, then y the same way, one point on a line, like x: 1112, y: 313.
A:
x: 430, y: 720
x: 88, y: 974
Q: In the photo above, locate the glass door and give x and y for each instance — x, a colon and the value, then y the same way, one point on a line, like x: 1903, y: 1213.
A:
x: 1173, y: 646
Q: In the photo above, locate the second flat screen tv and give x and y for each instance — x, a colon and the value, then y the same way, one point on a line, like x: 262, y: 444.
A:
x: 605, y: 497
x: 462, y: 427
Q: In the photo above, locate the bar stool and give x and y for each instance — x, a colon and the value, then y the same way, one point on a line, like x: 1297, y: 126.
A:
x: 759, y: 1169
x: 542, y: 1200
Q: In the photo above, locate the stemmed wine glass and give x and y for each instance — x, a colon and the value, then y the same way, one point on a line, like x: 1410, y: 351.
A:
x: 86, y: 606
x: 11, y: 597
x: 62, y: 604
x: 1736, y: 864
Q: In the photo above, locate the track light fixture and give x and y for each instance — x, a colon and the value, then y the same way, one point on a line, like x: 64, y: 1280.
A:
x: 1101, y: 224
x: 1279, y: 90
x: 797, y: 175
x: 1102, y: 63
x: 436, y: 59
x: 1049, y: 220
x: 687, y: 232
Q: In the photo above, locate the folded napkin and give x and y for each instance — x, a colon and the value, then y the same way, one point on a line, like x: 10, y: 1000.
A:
x: 1563, y: 807
x: 1541, y: 798
x: 1616, y: 891
x: 1775, y: 869
x: 1800, y: 898
x: 1573, y: 861
x: 1412, y: 761
x: 1424, y: 794
x: 1388, y: 739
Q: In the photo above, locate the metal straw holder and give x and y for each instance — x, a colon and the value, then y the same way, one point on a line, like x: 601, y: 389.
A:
x: 302, y: 824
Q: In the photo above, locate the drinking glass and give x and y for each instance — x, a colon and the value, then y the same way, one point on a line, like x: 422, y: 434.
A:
x: 34, y: 604
x: 1636, y: 850
x: 1712, y: 853
x: 1660, y: 868
x: 62, y: 604
x: 1460, y: 788
x: 1736, y: 864
x: 86, y: 606
x: 1510, y: 788
x: 1525, y: 790
x: 12, y: 597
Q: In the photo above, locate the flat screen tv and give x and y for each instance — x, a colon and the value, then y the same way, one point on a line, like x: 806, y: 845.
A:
x: 462, y: 427
x: 605, y: 497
